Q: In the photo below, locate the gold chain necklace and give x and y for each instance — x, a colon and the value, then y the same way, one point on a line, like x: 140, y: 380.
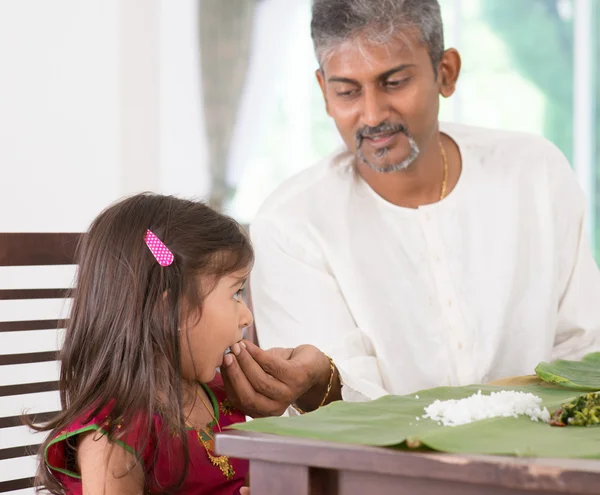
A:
x: 445, y: 179
x: 206, y: 439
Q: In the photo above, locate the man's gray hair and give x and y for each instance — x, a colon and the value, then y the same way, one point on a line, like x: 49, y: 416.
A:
x: 379, y: 21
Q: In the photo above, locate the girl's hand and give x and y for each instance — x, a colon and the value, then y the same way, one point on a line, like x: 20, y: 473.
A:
x: 245, y: 491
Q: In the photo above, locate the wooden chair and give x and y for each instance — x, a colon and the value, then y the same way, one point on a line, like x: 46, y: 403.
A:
x: 25, y: 379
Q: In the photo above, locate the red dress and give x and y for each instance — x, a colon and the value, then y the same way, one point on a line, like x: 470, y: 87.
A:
x: 202, y: 477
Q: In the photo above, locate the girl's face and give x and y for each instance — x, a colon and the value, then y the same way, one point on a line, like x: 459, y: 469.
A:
x: 204, y: 341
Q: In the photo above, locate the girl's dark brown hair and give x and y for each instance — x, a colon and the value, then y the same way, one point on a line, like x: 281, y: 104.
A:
x: 122, y: 342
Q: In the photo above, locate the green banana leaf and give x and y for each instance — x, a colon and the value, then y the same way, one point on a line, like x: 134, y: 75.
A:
x: 580, y: 375
x: 391, y: 422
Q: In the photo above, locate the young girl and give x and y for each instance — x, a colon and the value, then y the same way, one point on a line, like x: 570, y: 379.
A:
x: 156, y: 307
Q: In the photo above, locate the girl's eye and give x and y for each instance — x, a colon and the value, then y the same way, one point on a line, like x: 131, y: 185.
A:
x: 238, y: 295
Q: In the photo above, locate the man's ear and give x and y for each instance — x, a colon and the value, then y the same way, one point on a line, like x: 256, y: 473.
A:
x: 448, y: 72
x: 321, y: 80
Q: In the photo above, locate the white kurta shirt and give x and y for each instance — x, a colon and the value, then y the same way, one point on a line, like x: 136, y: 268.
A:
x: 484, y: 284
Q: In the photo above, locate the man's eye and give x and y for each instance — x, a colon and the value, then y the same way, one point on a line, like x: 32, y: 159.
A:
x: 346, y: 94
x: 397, y: 83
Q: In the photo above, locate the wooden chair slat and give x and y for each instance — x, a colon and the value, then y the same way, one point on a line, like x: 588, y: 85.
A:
x: 28, y: 388
x: 13, y: 485
x: 38, y: 249
x: 22, y: 326
x: 21, y: 451
x: 12, y: 421
x: 14, y: 294
x: 32, y: 357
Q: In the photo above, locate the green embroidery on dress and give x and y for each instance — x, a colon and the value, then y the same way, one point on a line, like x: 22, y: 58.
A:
x: 215, y: 404
x: 205, y: 435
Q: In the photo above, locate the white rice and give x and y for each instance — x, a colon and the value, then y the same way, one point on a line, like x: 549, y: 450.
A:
x: 478, y: 407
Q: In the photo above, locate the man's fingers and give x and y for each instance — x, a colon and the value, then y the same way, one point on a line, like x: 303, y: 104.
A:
x: 281, y: 352
x: 274, y: 364
x: 261, y: 381
x: 244, y: 396
x: 235, y: 380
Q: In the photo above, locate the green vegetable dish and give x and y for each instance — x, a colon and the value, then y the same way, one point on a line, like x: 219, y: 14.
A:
x: 581, y: 411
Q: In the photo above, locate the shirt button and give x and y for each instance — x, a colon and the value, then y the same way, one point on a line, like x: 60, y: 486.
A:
x: 459, y: 345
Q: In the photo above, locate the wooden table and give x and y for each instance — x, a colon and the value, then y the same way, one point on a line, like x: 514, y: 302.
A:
x: 294, y: 466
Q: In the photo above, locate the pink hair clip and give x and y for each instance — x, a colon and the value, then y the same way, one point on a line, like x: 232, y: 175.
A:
x: 161, y: 252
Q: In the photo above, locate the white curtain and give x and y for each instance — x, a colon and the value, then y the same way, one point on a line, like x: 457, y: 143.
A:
x: 225, y: 34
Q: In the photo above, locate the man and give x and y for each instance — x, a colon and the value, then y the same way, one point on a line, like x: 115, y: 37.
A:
x: 420, y: 255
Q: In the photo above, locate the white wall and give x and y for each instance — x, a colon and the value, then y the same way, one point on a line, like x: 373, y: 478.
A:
x: 59, y: 112
x: 97, y: 99
x: 183, y: 150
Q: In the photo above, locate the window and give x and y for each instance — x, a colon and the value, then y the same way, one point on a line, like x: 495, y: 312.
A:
x: 523, y: 62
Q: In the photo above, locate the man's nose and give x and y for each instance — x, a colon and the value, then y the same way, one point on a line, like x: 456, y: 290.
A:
x: 375, y: 107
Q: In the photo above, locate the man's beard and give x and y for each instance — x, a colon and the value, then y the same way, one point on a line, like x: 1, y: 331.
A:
x: 383, y: 128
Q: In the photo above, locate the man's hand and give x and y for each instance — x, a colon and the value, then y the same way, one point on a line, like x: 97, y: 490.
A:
x: 265, y: 383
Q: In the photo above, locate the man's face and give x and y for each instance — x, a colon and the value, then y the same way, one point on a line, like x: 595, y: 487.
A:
x: 384, y: 100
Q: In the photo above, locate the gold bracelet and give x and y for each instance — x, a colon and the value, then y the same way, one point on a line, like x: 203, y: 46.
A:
x: 329, y: 385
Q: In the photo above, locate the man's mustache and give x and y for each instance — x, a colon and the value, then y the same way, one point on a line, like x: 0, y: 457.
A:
x: 384, y: 127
